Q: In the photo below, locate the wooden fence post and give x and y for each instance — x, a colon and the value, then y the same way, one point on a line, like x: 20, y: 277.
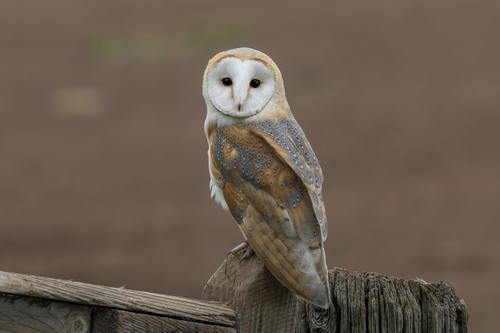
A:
x: 362, y: 302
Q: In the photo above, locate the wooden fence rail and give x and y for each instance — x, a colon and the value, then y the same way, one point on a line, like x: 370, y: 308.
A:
x: 37, y: 304
x: 240, y: 297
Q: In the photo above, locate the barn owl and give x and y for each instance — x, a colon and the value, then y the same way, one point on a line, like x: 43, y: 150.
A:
x: 264, y: 171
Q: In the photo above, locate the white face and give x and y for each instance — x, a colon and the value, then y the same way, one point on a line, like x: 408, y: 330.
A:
x: 240, y: 88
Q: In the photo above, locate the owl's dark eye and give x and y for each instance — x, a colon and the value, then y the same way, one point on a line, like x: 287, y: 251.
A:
x: 227, y: 81
x: 254, y: 83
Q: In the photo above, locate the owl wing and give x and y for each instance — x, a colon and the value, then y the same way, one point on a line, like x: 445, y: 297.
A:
x: 290, y: 143
x: 273, y: 207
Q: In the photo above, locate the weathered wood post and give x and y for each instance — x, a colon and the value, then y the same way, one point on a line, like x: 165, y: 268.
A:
x: 362, y: 302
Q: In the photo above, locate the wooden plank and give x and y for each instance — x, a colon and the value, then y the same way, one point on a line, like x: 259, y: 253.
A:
x: 108, y: 320
x: 20, y: 314
x: 120, y: 298
x: 362, y: 302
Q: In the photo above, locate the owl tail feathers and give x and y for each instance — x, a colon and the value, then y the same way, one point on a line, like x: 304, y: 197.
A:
x: 309, y: 282
x: 315, y: 291
x: 323, y: 302
x: 320, y: 294
x: 316, y: 282
x: 316, y: 288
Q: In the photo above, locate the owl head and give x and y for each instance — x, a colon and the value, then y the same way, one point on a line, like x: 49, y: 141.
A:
x: 240, y: 83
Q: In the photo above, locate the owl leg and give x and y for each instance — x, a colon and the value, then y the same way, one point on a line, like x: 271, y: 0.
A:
x: 243, y: 246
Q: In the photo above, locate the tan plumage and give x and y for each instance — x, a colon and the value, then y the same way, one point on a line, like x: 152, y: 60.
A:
x: 264, y: 171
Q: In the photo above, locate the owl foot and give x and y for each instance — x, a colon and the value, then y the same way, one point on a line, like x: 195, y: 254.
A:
x: 248, y: 253
x: 242, y: 247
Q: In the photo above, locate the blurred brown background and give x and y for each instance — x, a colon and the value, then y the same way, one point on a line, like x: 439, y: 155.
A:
x: 103, y: 169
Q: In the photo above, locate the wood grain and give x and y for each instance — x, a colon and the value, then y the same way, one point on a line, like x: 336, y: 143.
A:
x: 263, y: 304
x: 362, y: 302
x: 30, y: 315
x: 118, y: 321
x: 120, y: 298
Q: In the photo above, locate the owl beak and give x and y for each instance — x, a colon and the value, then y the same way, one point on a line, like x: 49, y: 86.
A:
x: 240, y: 94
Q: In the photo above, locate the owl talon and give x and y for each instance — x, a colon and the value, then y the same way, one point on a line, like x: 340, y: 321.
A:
x: 248, y: 253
